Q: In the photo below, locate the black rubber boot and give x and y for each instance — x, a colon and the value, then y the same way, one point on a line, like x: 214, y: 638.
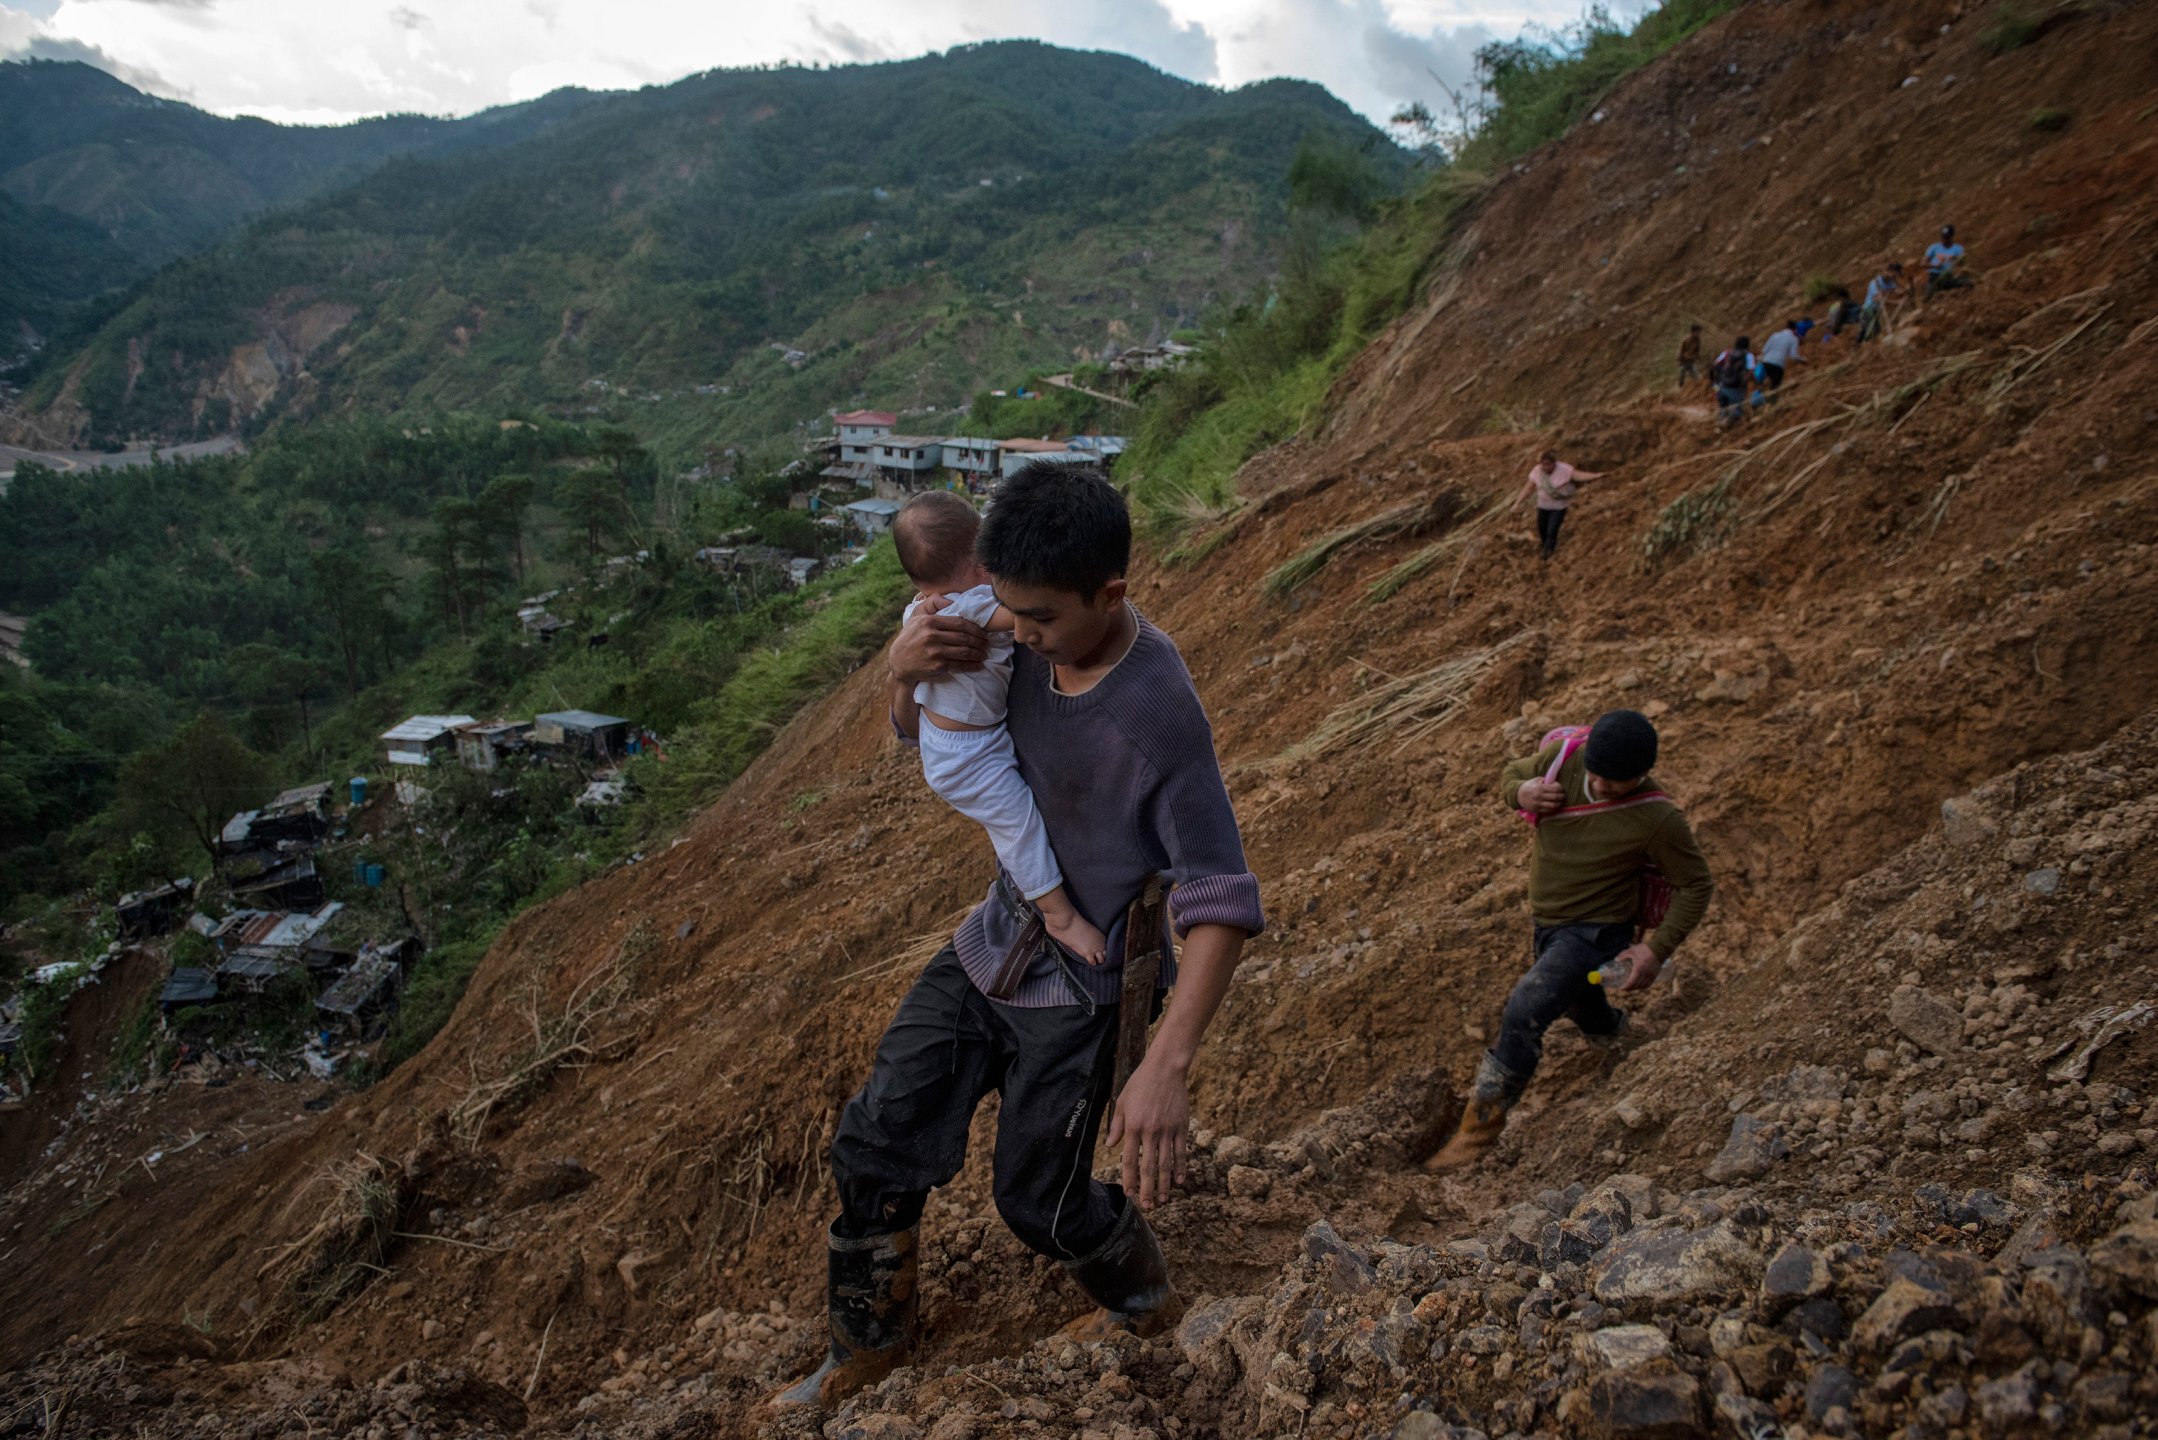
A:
x: 871, y: 1304
x: 1128, y: 1278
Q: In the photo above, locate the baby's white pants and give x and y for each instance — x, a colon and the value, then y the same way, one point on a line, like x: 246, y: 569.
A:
x: 977, y: 774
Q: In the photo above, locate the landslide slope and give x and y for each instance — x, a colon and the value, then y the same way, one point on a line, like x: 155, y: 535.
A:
x: 1925, y: 576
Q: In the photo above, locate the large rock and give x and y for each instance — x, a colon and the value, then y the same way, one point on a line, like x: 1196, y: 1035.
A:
x: 1625, y: 1347
x: 2128, y: 1258
x: 1341, y: 1265
x: 1643, y: 1404
x: 1796, y: 1273
x: 1674, y: 1266
x: 1754, y: 1146
x: 1926, y: 1020
x: 1906, y: 1308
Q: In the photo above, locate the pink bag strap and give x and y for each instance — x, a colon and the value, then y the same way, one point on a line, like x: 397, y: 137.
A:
x: 1645, y: 797
x: 1567, y: 747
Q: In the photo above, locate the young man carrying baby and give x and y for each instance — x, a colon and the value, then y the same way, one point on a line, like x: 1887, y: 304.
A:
x: 1114, y: 750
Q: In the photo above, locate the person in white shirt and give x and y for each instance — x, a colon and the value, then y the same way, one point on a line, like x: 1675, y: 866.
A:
x: 1552, y: 484
x: 1780, y: 353
x: 967, y: 754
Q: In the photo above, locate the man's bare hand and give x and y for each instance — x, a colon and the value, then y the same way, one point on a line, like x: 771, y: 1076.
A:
x: 1540, y: 797
x: 1153, y: 1124
x: 931, y: 645
x: 1646, y: 967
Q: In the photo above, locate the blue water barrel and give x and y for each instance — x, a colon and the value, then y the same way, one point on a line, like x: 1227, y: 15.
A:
x: 374, y: 877
x: 359, y: 789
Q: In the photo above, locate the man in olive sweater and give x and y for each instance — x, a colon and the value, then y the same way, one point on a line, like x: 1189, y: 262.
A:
x: 1600, y: 820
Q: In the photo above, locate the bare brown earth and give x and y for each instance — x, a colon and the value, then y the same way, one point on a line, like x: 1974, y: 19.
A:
x: 1933, y: 582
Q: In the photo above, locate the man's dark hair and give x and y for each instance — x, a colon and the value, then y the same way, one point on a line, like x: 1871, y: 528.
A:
x: 934, y: 534
x: 1743, y: 342
x: 1057, y: 525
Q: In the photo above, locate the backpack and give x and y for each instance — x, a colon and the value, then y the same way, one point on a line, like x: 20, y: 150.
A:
x: 1656, y: 890
x: 1731, y: 373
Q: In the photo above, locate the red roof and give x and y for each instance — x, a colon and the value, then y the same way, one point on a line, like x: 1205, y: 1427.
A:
x: 1035, y: 447
x: 866, y: 417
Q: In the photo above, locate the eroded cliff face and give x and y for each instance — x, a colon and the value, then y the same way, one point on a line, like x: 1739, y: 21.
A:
x: 1897, y: 634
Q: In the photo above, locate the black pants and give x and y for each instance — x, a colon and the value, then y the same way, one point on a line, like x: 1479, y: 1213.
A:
x: 905, y: 1131
x: 1771, y: 377
x: 1547, y: 529
x: 1558, y: 984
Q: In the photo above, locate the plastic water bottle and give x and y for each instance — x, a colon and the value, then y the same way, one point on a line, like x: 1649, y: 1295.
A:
x: 1612, y: 973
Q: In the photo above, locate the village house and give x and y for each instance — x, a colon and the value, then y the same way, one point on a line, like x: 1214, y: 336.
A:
x: 904, y: 462
x: 418, y: 739
x: 859, y: 431
x: 153, y: 912
x: 972, y: 459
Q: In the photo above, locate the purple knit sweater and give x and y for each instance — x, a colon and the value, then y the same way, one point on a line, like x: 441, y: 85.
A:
x: 1128, y: 787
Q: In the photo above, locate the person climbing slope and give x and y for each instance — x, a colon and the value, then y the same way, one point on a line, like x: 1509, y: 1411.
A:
x: 1779, y: 354
x: 1880, y: 293
x: 1944, y: 264
x: 1114, y: 745
x: 1732, y: 374
x: 1552, y: 485
x: 1601, y: 822
x: 1689, y: 357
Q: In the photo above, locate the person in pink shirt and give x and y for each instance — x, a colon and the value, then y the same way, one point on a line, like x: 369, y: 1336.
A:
x: 1552, y: 483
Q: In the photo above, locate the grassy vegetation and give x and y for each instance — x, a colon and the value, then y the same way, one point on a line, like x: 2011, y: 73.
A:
x: 1266, y: 365
x: 2047, y: 119
x: 2011, y: 28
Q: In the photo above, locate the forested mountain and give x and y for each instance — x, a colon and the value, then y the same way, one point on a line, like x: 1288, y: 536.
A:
x: 786, y: 238
x: 100, y: 183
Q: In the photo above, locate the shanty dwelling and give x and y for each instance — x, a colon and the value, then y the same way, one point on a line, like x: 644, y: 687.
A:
x: 859, y: 430
x: 365, y: 990
x: 905, y: 461
x: 153, y: 912
x: 301, y: 814
x: 249, y: 969
x: 584, y: 733
x: 802, y: 569
x: 282, y: 882
x: 187, y: 986
x: 483, y: 747
x: 417, y: 740
x: 872, y: 517
x: 1101, y: 449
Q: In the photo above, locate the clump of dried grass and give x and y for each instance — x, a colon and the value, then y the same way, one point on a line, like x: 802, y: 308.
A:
x: 348, y: 1241
x: 1398, y: 578
x: 1443, y: 507
x: 1405, y: 708
x: 568, y: 1040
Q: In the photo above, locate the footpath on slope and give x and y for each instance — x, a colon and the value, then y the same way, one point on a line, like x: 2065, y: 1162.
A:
x: 1947, y: 578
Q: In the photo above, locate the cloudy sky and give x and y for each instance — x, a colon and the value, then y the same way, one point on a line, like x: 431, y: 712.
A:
x: 321, y: 61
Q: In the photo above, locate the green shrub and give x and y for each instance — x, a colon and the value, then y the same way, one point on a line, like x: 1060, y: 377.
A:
x: 2048, y: 118
x: 2013, y: 28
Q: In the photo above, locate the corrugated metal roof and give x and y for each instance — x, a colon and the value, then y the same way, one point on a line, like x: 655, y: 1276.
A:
x: 426, y: 727
x: 875, y: 507
x: 580, y: 720
x: 866, y: 417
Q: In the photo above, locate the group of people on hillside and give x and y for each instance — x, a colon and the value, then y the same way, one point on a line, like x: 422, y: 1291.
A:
x: 1744, y: 381
x: 1050, y: 712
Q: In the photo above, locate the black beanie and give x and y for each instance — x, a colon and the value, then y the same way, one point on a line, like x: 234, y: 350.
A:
x: 1622, y: 745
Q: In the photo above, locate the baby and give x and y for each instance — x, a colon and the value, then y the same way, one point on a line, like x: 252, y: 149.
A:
x: 967, y: 755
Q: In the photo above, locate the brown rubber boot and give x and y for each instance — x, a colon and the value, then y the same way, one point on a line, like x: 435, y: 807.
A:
x: 1129, y: 1280
x: 871, y: 1304
x: 1491, y: 1095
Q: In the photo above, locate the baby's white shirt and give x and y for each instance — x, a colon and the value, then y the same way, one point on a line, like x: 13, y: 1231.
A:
x: 972, y: 697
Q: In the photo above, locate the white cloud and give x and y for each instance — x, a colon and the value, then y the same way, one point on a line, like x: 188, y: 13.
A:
x: 329, y: 60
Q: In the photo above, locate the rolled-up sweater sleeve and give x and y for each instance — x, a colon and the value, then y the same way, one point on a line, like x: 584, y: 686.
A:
x: 1519, y: 772
x: 1679, y: 856
x: 1192, y: 814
